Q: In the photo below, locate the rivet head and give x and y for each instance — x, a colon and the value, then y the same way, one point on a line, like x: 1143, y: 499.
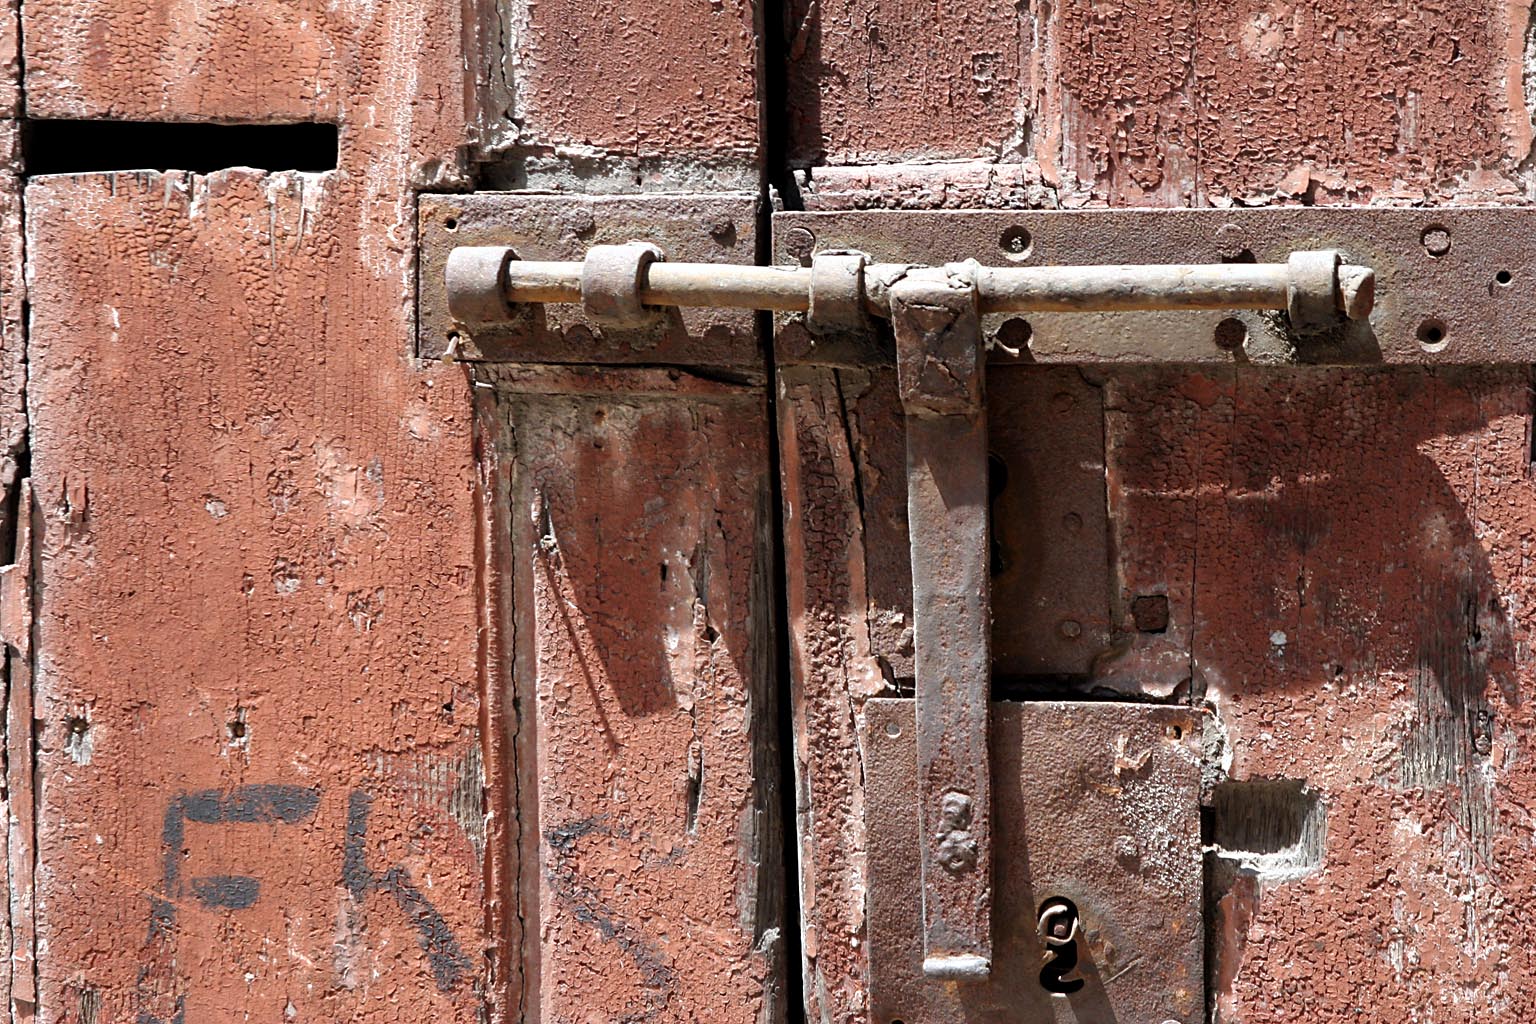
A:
x: 800, y: 243
x: 957, y: 850
x: 721, y: 228
x: 1436, y: 240
x: 1070, y: 629
x: 1229, y: 241
x: 955, y: 811
x: 957, y: 854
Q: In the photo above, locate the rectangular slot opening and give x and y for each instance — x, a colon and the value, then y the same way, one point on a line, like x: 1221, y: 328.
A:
x: 87, y: 147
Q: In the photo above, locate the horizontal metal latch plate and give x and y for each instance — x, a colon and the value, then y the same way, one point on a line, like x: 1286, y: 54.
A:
x: 1453, y: 285
x: 714, y: 228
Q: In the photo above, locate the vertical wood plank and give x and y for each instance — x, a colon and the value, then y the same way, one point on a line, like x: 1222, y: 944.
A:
x: 641, y: 519
x: 261, y: 770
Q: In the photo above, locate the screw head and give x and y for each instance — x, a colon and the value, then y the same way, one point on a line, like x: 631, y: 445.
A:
x: 721, y: 228
x: 1229, y: 241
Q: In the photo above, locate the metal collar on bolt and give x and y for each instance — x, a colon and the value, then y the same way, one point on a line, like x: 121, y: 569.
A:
x: 612, y: 278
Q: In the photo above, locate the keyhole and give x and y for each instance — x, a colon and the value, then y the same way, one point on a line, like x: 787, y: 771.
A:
x: 1058, y: 930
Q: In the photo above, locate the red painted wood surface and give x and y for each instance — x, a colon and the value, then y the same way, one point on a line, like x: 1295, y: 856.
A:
x: 260, y: 778
x: 648, y: 806
x: 328, y: 727
x: 1165, y: 102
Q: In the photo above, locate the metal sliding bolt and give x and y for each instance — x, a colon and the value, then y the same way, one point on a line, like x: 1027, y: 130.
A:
x: 1314, y: 286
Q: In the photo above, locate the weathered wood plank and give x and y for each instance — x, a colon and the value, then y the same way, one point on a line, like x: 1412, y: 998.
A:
x: 678, y: 81
x: 259, y: 765
x: 1355, y: 582
x: 641, y: 518
x: 1161, y: 102
x: 18, y: 985
x: 833, y: 671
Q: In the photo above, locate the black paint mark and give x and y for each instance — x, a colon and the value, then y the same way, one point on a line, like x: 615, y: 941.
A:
x: 232, y: 892
x: 262, y: 802
x: 285, y: 805
x: 266, y: 802
x: 588, y: 907
x: 179, y: 1017
x: 449, y: 964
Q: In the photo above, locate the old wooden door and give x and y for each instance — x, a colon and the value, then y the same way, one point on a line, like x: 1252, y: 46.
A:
x: 350, y: 681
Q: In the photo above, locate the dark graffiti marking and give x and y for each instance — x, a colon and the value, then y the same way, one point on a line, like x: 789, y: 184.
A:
x: 287, y: 805
x: 255, y: 804
x: 233, y: 892
x: 449, y: 964
x: 587, y: 905
x: 280, y: 805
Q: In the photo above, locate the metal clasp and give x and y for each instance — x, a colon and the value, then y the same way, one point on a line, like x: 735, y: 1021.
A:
x: 940, y: 356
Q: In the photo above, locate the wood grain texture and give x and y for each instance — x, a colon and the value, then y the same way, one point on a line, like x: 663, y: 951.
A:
x: 1169, y: 103
x: 1342, y: 554
x: 260, y: 744
x: 641, y: 517
x: 876, y: 82
x: 834, y: 670
x: 186, y: 61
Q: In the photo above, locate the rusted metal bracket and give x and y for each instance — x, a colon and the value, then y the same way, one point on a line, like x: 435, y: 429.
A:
x: 940, y: 362
x: 485, y: 232
x: 1453, y: 284
x: 1096, y: 809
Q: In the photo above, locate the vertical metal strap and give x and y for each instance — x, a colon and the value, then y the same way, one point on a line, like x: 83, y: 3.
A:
x: 940, y: 361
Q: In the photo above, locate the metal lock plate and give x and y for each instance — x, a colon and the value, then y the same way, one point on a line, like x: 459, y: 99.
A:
x: 1096, y: 803
x: 1452, y: 285
x: 1051, y: 575
x: 720, y: 228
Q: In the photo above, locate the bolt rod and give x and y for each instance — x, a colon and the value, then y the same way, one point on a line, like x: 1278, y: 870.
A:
x: 999, y: 289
